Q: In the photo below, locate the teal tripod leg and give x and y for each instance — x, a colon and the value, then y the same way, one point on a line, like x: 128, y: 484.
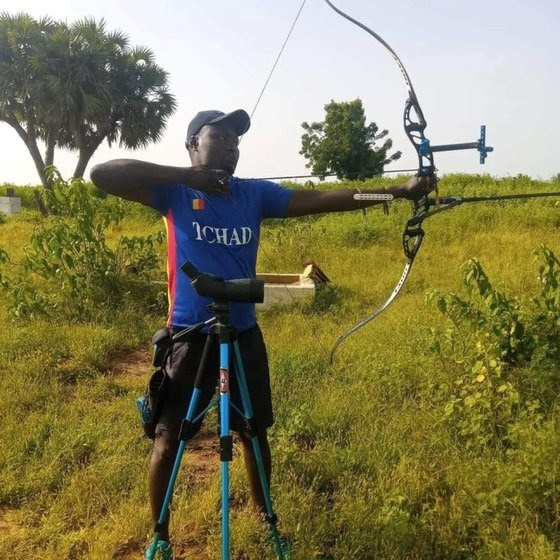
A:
x: 226, y: 443
x: 183, y: 437
x: 281, y: 548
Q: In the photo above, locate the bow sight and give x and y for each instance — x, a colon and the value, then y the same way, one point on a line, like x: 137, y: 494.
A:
x: 479, y: 145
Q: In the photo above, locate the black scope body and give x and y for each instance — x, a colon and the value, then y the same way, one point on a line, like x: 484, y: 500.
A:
x: 242, y: 290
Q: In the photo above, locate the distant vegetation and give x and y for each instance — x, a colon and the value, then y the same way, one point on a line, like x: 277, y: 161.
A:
x: 344, y: 144
x: 435, y: 435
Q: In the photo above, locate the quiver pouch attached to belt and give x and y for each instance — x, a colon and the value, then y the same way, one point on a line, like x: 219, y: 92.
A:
x: 161, y: 341
x: 150, y: 404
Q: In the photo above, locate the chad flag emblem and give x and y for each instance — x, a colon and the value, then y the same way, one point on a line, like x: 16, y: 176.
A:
x: 198, y: 204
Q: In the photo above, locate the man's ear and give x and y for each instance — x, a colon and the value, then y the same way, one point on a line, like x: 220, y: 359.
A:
x: 192, y: 143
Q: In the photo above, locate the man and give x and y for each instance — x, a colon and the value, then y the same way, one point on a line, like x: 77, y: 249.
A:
x: 213, y: 220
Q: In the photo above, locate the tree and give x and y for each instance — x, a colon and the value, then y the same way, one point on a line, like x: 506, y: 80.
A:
x: 74, y: 86
x: 344, y: 145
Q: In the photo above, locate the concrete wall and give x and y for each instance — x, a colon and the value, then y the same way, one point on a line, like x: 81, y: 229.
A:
x: 10, y: 204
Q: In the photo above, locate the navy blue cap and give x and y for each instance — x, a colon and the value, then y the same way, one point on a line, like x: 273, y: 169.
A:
x: 239, y: 119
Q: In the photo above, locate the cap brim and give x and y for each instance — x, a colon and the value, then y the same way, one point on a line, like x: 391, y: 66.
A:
x: 239, y: 120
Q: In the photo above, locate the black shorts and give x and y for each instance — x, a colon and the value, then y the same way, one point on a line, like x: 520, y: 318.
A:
x: 182, y: 365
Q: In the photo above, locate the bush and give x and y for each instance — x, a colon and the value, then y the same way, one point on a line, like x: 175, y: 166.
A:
x: 493, y: 349
x: 70, y: 271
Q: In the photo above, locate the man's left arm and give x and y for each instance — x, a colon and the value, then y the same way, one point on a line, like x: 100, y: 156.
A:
x: 304, y: 202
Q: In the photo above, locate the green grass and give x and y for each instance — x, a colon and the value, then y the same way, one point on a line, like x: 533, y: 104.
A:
x: 365, y: 467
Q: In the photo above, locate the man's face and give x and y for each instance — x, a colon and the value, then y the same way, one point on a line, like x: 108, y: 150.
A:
x: 215, y: 146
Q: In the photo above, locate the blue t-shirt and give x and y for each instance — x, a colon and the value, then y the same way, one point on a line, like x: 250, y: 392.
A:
x: 218, y: 235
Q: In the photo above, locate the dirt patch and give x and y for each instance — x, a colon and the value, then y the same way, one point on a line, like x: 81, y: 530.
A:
x: 186, y: 550
x: 202, y: 457
x: 189, y: 551
x: 10, y: 521
x: 134, y: 364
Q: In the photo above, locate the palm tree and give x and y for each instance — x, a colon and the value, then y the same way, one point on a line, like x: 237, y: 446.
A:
x: 82, y: 85
x: 24, y: 96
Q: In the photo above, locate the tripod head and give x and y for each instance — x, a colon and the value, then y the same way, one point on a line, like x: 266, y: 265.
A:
x: 242, y: 290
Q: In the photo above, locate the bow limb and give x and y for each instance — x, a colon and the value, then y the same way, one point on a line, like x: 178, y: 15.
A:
x: 376, y: 313
x: 412, y: 240
x: 382, y: 41
x: 414, y: 126
x: 414, y: 121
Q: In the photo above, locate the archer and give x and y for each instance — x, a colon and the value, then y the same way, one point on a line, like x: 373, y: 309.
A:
x: 213, y: 220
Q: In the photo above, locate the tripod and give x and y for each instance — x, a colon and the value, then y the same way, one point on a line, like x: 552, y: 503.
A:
x: 225, y: 333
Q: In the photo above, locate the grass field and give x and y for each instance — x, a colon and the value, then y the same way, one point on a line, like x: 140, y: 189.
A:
x: 388, y: 454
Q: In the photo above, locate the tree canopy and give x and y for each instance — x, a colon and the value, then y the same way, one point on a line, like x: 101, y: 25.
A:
x: 343, y: 144
x: 75, y: 85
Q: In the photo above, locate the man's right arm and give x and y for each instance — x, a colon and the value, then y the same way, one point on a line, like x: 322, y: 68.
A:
x: 134, y: 180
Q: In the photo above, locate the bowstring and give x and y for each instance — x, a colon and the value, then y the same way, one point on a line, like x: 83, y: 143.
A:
x: 261, y: 247
x: 276, y: 61
x: 240, y: 211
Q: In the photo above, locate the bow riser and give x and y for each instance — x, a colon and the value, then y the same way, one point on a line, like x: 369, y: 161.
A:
x: 414, y: 129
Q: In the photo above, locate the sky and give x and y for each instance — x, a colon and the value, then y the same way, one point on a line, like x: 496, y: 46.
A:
x: 492, y: 62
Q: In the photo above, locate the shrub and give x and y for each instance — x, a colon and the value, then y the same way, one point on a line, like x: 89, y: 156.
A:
x: 491, y: 347
x: 69, y: 270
